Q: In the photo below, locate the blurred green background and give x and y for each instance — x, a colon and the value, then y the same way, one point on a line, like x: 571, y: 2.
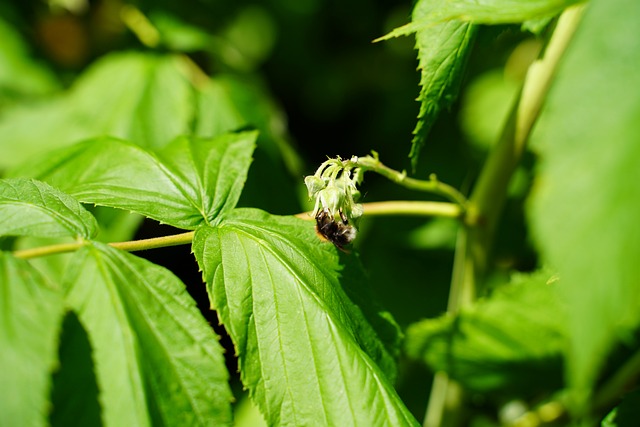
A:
x: 307, y: 74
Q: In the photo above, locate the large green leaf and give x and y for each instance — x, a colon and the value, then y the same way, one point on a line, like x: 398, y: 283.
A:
x: 442, y: 52
x: 157, y: 360
x: 188, y: 182
x: 139, y: 97
x: 586, y: 203
x: 308, y: 354
x: 32, y: 208
x: 485, y: 12
x: 485, y: 353
x: 29, y: 326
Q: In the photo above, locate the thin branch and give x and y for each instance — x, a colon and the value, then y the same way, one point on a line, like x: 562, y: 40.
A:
x: 441, y: 209
x: 432, y: 185
x: 401, y: 207
x: 130, y: 246
x: 48, y: 250
x: 155, y: 242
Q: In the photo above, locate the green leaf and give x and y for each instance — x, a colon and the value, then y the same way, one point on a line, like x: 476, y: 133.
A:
x: 442, y: 53
x: 308, y: 354
x: 157, y: 360
x: 485, y: 353
x: 30, y: 323
x: 139, y: 97
x: 214, y: 169
x: 503, y: 11
x: 188, y: 182
x: 586, y: 203
x: 485, y: 12
x: 32, y: 208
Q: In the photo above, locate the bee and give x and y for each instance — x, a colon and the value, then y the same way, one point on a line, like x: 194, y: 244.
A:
x: 339, y: 232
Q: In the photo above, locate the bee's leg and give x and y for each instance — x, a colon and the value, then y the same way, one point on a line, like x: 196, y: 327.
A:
x: 345, y: 220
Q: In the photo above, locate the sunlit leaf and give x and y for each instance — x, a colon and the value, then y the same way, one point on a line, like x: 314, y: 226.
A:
x: 157, y: 360
x: 442, y: 53
x: 586, y: 203
x: 308, y: 354
x: 485, y: 353
x: 188, y: 182
x: 139, y: 97
x: 33, y: 208
x: 29, y: 326
x: 503, y: 11
x: 214, y: 169
x: 485, y: 12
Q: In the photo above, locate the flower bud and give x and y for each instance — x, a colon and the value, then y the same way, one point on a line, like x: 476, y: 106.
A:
x: 314, y: 185
x: 331, y: 198
x: 356, y: 211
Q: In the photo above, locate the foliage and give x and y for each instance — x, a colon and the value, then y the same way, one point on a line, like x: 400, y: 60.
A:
x: 515, y: 285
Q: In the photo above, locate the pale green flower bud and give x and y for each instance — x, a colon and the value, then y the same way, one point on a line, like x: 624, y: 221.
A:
x: 356, y: 211
x: 331, y: 198
x: 314, y: 185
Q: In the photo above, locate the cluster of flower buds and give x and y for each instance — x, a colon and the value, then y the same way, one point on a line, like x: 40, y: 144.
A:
x: 334, y: 188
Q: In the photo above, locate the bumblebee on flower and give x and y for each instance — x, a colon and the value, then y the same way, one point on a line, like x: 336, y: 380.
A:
x: 334, y: 187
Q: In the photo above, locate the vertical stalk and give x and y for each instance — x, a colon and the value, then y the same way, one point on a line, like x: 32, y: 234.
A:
x: 487, y: 200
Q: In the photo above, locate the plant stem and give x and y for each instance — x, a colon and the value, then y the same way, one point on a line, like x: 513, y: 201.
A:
x: 441, y: 209
x: 140, y: 25
x: 48, y: 250
x: 131, y: 246
x: 432, y: 185
x: 414, y: 208
x: 155, y: 242
x: 488, y: 198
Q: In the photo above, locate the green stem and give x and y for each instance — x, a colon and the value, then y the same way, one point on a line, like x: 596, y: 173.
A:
x: 140, y: 25
x: 432, y: 185
x: 447, y: 210
x: 488, y: 198
x: 49, y: 250
x: 402, y: 207
x: 414, y: 208
x: 155, y: 242
x: 132, y: 246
